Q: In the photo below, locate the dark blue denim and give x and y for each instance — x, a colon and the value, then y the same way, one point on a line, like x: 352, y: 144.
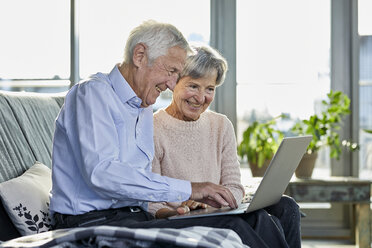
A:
x: 289, y: 215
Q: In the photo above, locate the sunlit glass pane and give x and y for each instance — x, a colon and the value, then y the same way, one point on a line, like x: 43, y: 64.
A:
x: 364, y: 17
x: 283, y: 55
x: 105, y: 26
x: 35, y: 39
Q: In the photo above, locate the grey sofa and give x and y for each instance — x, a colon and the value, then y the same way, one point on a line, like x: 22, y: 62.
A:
x: 26, y: 132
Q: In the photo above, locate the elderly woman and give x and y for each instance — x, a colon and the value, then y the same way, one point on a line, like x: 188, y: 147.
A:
x: 186, y: 133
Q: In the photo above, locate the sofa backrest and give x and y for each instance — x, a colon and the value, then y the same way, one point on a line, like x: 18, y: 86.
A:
x: 26, y: 130
x: 26, y: 134
x: 15, y: 153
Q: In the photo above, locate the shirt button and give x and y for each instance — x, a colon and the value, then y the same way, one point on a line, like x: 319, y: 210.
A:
x: 179, y: 197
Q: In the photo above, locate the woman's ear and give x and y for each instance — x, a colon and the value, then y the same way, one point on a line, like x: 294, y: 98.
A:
x: 140, y: 55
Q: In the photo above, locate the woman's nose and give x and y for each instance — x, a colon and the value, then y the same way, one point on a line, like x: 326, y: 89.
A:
x: 200, y: 97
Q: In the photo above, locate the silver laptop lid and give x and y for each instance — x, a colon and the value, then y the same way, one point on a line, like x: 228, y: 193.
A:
x: 280, y: 171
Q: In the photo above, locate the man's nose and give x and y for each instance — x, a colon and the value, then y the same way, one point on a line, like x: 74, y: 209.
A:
x: 171, y: 83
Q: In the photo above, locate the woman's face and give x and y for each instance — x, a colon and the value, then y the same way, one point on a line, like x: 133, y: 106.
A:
x: 191, y: 97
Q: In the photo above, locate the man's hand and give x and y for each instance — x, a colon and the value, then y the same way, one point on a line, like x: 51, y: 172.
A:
x: 212, y: 194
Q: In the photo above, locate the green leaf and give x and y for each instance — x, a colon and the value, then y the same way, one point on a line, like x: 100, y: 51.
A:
x: 261, y: 160
x: 260, y: 141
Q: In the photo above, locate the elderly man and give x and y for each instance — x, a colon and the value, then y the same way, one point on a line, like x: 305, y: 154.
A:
x: 103, y: 146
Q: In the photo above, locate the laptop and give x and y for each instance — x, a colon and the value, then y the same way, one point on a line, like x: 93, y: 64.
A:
x: 272, y: 185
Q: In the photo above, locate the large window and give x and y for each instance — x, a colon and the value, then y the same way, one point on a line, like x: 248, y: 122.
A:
x: 35, y: 37
x: 283, y: 56
x: 34, y: 45
x: 105, y: 26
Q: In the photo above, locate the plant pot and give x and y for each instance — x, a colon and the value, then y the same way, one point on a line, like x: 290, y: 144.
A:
x: 259, y: 172
x: 306, y: 166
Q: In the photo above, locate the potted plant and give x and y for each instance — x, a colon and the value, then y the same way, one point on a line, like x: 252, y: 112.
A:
x: 260, y: 142
x: 367, y: 131
x: 323, y: 127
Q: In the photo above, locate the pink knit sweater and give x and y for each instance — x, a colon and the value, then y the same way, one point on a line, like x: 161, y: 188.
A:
x: 198, y: 151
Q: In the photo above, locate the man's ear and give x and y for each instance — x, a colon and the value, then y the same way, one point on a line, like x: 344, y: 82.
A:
x: 140, y: 55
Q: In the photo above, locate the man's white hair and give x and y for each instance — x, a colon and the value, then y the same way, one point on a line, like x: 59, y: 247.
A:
x: 158, y: 38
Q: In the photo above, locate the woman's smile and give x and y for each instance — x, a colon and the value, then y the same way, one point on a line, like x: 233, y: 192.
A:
x: 194, y: 105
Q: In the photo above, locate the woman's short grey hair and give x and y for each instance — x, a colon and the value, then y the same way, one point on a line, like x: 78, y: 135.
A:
x: 204, y: 62
x: 158, y: 38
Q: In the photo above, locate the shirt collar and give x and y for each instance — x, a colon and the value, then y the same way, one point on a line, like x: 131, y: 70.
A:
x: 123, y: 89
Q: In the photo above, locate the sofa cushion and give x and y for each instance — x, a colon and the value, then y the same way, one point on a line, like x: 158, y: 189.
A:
x: 26, y: 199
x: 59, y: 98
x: 16, y: 155
x: 36, y: 114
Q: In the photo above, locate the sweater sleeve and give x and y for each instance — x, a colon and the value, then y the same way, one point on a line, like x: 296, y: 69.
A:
x: 230, y: 166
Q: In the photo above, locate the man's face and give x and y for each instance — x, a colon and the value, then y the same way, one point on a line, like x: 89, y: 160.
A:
x: 163, y: 73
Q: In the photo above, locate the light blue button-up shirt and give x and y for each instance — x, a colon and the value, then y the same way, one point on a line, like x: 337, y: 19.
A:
x: 103, y: 149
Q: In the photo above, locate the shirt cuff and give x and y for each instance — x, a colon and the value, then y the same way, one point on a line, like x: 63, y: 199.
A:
x: 179, y: 190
